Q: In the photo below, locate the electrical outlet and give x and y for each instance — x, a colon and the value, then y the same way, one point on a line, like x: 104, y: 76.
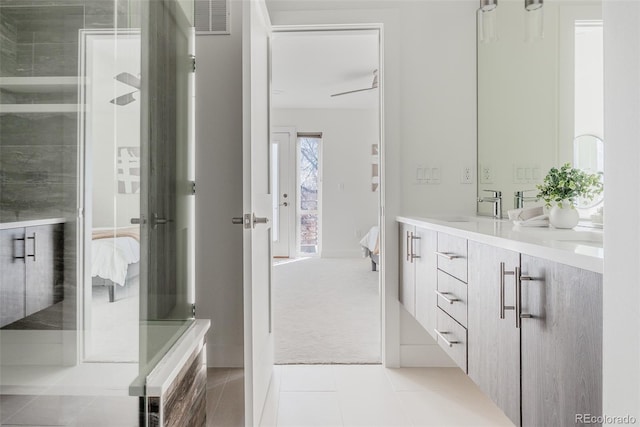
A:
x: 467, y: 175
x: 486, y: 175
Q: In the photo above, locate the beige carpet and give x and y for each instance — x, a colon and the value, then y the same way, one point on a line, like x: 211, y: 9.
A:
x: 326, y: 311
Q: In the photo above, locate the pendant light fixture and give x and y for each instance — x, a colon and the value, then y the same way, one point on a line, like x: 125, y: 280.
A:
x: 487, y: 21
x: 530, y: 5
x: 534, y: 20
x: 488, y: 5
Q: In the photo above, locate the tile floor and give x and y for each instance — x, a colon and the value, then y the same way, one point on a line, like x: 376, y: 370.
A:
x: 370, y: 395
x: 300, y: 395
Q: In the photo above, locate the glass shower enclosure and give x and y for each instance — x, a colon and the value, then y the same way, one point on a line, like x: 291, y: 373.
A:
x: 96, y: 204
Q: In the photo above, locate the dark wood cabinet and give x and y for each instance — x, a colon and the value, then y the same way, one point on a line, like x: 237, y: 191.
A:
x: 31, y: 270
x: 561, y: 343
x: 493, y: 343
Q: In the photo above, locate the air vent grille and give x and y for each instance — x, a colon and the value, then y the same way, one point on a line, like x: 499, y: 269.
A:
x: 212, y: 16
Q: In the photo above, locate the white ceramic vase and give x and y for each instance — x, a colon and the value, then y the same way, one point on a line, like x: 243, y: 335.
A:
x: 563, y: 215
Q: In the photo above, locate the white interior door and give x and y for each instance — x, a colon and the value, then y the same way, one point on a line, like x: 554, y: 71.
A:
x: 257, y: 208
x: 283, y: 189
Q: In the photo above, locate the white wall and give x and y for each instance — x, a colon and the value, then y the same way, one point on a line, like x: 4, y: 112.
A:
x: 430, y: 117
x: 621, y: 340
x: 349, y: 207
x: 219, y: 191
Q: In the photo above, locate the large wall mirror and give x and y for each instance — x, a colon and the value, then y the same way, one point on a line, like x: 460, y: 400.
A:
x: 540, y: 96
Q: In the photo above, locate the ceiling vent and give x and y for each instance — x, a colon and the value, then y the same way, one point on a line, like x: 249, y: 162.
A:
x: 212, y: 17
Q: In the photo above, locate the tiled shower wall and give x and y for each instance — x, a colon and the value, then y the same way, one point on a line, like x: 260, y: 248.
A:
x: 38, y: 151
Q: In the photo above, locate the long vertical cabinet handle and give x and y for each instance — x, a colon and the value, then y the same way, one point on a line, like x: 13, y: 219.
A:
x: 413, y: 252
x: 408, y: 247
x: 24, y: 248
x: 519, y: 314
x: 34, y: 246
x: 504, y: 273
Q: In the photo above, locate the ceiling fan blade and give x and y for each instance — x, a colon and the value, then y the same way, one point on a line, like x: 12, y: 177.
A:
x: 354, y: 91
x: 125, y: 99
x: 128, y: 79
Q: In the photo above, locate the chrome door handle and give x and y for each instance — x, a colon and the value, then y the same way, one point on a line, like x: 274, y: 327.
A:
x: 244, y: 220
x: 137, y: 221
x: 443, y: 295
x: 502, y: 274
x: 34, y: 246
x: 413, y: 252
x: 24, y: 248
x: 519, y: 314
x: 441, y: 336
x: 259, y: 220
x: 447, y: 255
x: 408, y: 247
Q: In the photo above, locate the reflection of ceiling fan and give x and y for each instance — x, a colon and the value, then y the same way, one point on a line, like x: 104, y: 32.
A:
x: 374, y: 85
x: 129, y: 80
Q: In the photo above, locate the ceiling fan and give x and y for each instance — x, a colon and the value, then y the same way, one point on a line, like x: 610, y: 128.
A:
x: 374, y: 85
x: 130, y: 80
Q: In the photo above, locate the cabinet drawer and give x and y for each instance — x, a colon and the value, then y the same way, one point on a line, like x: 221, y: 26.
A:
x: 452, y: 338
x: 452, y: 255
x: 452, y: 289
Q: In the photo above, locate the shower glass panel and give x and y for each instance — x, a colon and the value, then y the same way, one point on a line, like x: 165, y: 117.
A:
x: 96, y: 204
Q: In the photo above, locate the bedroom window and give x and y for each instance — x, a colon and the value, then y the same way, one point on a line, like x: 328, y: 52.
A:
x: 309, y: 187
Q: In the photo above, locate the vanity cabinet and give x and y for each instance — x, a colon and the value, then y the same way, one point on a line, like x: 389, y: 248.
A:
x: 418, y: 275
x: 31, y: 270
x: 561, y: 343
x: 494, y: 342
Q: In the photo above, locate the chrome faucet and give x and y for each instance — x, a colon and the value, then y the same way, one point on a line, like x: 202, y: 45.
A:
x: 519, y: 199
x: 496, y: 199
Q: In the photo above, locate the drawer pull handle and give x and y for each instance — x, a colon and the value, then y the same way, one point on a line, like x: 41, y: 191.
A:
x: 448, y: 255
x: 408, y: 247
x: 413, y: 247
x: 441, y: 336
x: 443, y: 295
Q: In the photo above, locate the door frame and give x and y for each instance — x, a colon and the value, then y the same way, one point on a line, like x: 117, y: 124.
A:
x: 291, y: 185
x: 390, y: 319
x: 84, y: 291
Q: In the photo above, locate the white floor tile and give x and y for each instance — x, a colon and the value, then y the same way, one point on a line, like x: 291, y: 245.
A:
x: 302, y: 409
x: 361, y: 377
x: 372, y: 408
x: 308, y: 378
x: 426, y: 379
x: 437, y: 409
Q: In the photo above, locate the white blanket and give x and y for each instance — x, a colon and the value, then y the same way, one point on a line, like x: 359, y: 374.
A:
x: 110, y: 258
x: 370, y: 240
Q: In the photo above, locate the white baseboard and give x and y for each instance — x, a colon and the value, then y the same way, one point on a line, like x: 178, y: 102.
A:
x: 225, y: 356
x: 342, y: 254
x: 424, y: 355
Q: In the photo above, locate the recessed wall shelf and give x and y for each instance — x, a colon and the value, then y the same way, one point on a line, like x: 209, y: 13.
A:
x: 38, y: 108
x: 40, y: 84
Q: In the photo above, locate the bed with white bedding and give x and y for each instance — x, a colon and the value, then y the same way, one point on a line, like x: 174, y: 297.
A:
x: 371, y: 246
x: 115, y: 257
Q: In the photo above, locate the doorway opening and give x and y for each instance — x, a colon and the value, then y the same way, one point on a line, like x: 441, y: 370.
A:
x: 326, y: 134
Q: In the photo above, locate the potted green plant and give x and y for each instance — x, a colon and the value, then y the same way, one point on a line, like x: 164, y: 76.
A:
x: 562, y: 188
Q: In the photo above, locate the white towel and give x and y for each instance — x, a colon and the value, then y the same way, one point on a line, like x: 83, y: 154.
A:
x: 525, y: 213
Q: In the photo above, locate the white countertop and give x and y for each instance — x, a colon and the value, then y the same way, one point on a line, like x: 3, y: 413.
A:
x: 580, y: 247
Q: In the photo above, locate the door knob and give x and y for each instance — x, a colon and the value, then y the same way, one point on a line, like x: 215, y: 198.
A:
x: 285, y: 204
x: 259, y: 220
x: 242, y: 220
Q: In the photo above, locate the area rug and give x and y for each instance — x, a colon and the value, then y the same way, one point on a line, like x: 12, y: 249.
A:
x: 326, y: 311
